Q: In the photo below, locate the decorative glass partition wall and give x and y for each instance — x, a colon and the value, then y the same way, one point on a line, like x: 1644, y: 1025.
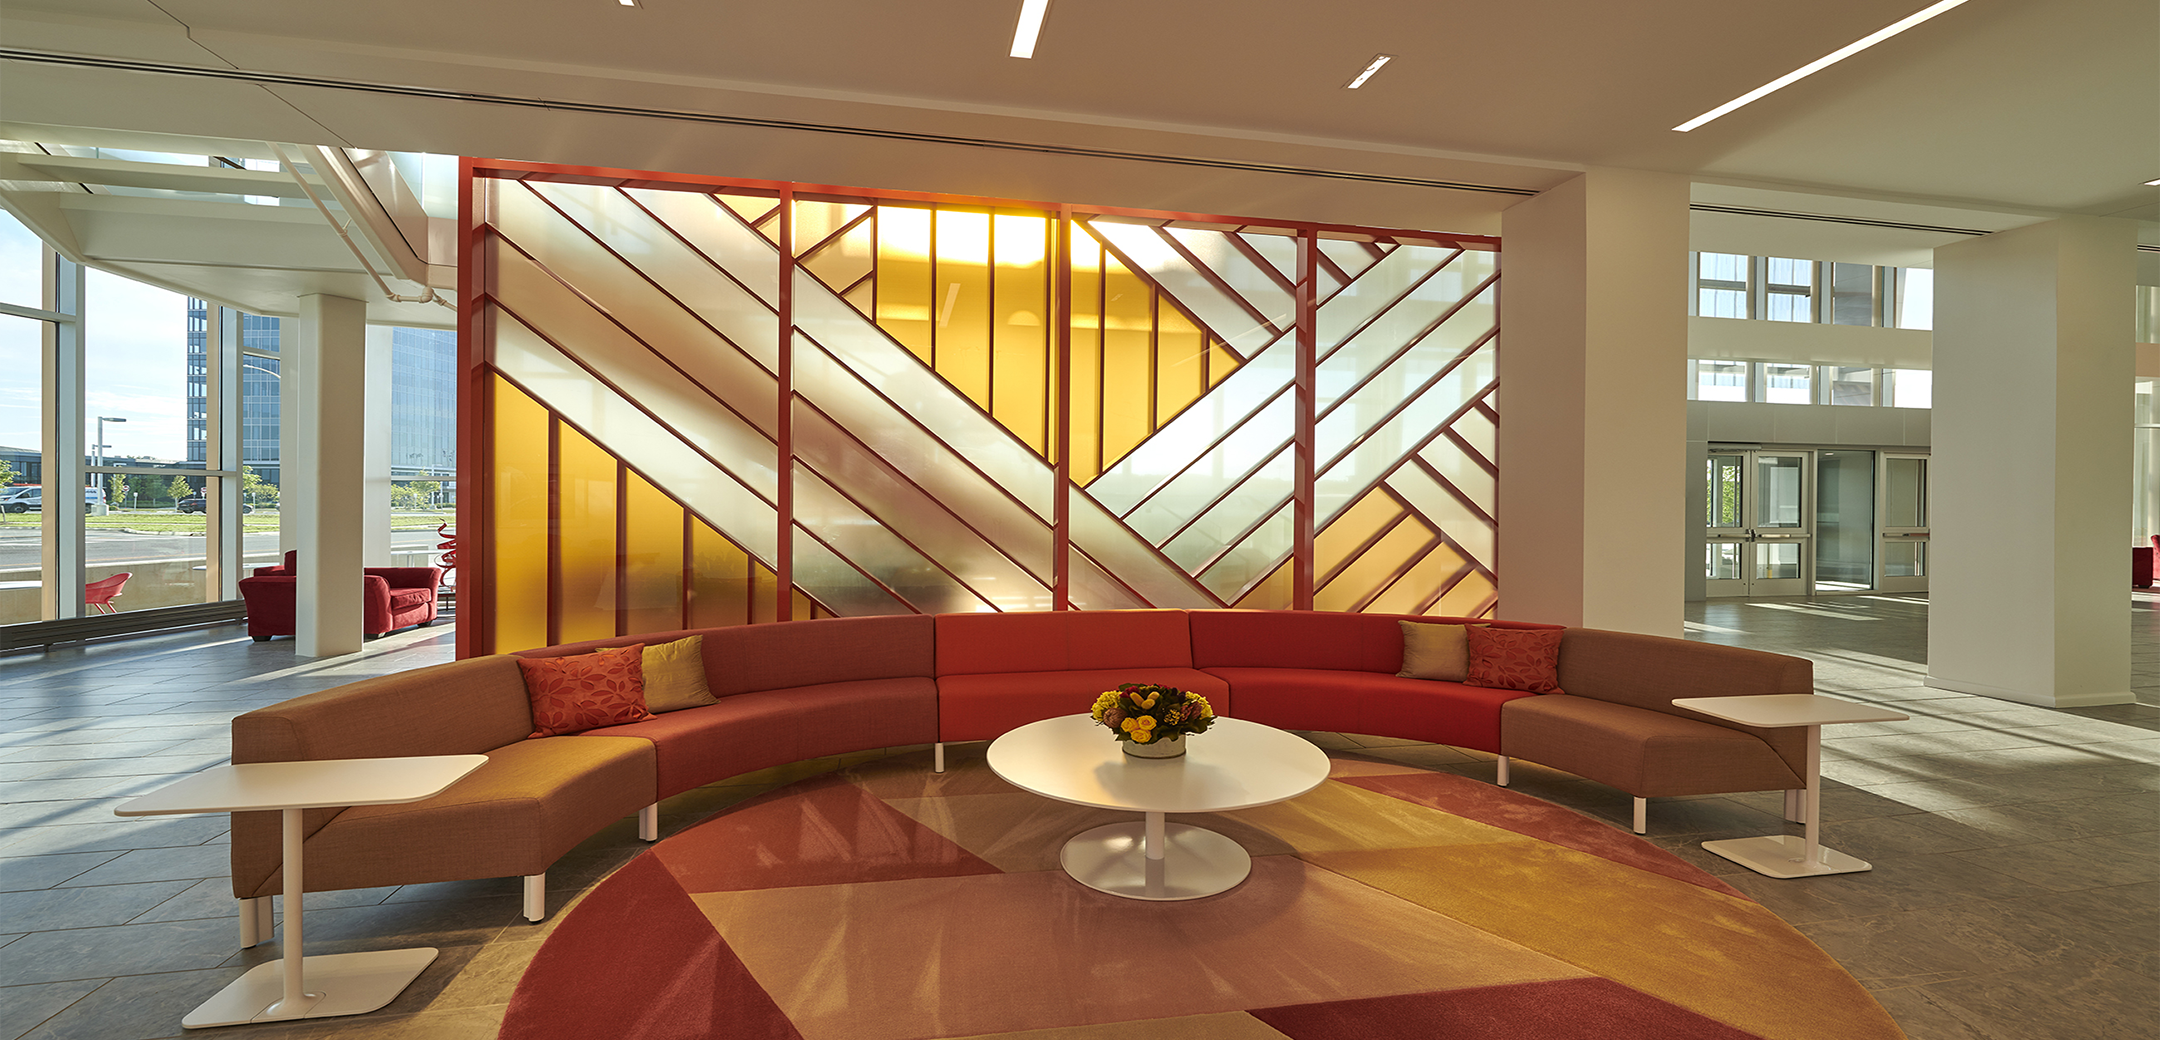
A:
x: 978, y: 405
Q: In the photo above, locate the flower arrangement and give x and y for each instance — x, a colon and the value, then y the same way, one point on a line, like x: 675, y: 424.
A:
x: 1142, y: 714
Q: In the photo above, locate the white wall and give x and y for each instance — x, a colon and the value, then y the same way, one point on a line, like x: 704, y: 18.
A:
x: 1750, y: 339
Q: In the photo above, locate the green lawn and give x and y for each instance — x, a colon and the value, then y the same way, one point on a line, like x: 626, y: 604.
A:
x: 165, y: 521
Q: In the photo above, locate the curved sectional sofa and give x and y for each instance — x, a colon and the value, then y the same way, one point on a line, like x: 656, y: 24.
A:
x: 797, y: 690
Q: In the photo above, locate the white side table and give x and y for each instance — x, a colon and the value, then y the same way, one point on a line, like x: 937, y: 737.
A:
x: 1782, y: 855
x: 1234, y: 765
x: 345, y: 983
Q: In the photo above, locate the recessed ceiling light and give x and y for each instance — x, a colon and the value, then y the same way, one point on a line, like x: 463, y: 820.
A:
x: 2155, y: 182
x: 1819, y: 64
x: 627, y: 3
x: 1377, y: 61
x: 1031, y: 19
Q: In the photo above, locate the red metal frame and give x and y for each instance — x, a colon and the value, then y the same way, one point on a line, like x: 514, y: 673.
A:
x: 476, y: 369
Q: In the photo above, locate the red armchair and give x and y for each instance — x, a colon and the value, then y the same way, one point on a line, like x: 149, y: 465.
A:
x: 392, y: 598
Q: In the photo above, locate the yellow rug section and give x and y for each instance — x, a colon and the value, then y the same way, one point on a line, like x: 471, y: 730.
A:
x: 1703, y: 950
x: 1238, y: 1026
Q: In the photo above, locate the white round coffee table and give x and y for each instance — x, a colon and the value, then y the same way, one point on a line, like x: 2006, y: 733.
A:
x: 1234, y: 765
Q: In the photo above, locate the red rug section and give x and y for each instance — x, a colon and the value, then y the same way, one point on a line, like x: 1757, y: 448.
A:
x: 1480, y: 801
x: 1564, y: 1009
x: 824, y: 831
x: 669, y: 976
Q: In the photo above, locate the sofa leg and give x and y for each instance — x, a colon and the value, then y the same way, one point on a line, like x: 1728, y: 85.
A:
x: 256, y: 921
x: 648, y: 823
x: 937, y: 757
x: 1642, y: 815
x: 1501, y: 777
x: 535, y: 896
x: 1796, y: 805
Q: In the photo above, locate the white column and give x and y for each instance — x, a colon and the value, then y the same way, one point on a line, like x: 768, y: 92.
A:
x: 375, y: 498
x: 1593, y: 410
x: 325, y: 410
x: 62, y: 375
x: 2030, y: 496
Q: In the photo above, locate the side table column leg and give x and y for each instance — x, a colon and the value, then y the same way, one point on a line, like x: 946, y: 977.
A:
x: 1811, y: 813
x: 1155, y: 841
x: 295, y: 1002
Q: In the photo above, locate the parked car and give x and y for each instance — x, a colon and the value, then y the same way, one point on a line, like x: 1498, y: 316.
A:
x: 25, y: 498
x: 197, y: 505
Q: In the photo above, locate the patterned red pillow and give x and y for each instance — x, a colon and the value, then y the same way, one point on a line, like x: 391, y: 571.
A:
x: 1515, y: 659
x: 585, y: 691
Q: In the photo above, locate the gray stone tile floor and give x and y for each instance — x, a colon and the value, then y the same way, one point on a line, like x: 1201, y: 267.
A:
x: 2016, y: 889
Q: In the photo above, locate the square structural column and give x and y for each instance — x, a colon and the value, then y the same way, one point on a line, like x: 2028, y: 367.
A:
x: 2035, y: 372
x: 375, y: 513
x: 324, y: 487
x: 1593, y: 413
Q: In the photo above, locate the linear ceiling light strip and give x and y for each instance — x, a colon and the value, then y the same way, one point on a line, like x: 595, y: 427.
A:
x: 1861, y: 221
x: 591, y: 108
x: 1819, y: 64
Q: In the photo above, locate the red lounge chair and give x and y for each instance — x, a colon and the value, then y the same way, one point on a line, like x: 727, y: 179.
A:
x: 100, y: 593
x: 393, y: 598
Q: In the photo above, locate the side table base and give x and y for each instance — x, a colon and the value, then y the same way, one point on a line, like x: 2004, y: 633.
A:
x: 1779, y: 856
x: 338, y: 983
x: 1197, y: 862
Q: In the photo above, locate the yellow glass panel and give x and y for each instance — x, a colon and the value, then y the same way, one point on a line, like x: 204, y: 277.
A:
x: 842, y: 263
x: 1128, y: 385
x: 863, y: 296
x: 749, y: 207
x: 762, y: 584
x: 1086, y: 361
x: 1180, y: 360
x: 905, y: 297
x: 1220, y: 364
x: 719, y: 579
x: 805, y: 608
x: 1021, y: 369
x: 1474, y: 596
x: 652, y: 558
x: 585, y: 503
x: 963, y: 302
x: 1273, y: 591
x: 1375, y: 568
x: 519, y: 515
x: 816, y: 221
x: 1334, y: 543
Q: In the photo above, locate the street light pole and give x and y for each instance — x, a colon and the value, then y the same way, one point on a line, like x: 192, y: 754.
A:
x: 97, y: 451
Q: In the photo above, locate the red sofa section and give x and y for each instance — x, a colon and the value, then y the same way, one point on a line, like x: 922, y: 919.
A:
x: 390, y: 598
x: 999, y: 671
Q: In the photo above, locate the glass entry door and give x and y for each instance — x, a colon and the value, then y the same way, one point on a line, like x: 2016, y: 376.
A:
x: 1760, y: 525
x: 1904, y: 523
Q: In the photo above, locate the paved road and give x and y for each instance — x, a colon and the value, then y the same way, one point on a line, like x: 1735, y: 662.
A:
x: 20, y: 547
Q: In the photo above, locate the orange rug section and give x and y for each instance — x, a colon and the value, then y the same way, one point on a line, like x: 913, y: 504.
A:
x: 887, y: 902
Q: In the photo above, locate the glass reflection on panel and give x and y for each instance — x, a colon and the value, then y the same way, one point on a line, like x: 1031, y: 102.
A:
x: 1724, y: 489
x: 1904, y: 559
x: 1777, y: 560
x: 1721, y: 380
x: 1905, y: 482
x: 1787, y: 384
x: 1722, y: 561
x: 1777, y: 491
x: 1909, y: 388
x: 1850, y: 386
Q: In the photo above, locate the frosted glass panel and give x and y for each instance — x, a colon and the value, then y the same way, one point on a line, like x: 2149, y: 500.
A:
x: 1272, y: 299
x: 1227, y: 520
x: 922, y: 459
x: 1089, y: 588
x: 1192, y: 433
x: 841, y: 588
x: 1098, y: 534
x: 873, y: 548
x: 1345, y: 478
x: 921, y: 519
x: 1427, y: 496
x: 1216, y: 472
x: 880, y: 362
x: 632, y: 434
x: 1215, y: 309
x: 722, y: 237
x: 1369, y: 349
x: 1253, y: 558
x: 1406, y: 376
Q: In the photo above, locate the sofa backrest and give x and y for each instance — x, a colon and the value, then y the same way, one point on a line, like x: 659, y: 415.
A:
x: 1309, y: 638
x: 1064, y: 640
x: 779, y: 656
x: 461, y: 708
x: 1650, y: 671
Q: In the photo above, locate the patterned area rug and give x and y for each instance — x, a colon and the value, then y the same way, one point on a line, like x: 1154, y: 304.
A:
x: 886, y: 902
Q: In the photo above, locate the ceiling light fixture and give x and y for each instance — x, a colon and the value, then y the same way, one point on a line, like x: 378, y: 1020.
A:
x: 1031, y: 19
x: 2154, y: 183
x: 627, y: 3
x: 1377, y: 61
x: 1818, y: 64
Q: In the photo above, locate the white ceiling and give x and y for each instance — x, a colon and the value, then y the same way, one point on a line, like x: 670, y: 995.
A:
x: 1999, y: 112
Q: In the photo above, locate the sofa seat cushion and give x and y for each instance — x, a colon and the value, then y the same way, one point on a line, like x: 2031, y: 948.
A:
x: 533, y: 801
x: 750, y: 731
x: 1365, y: 702
x: 1648, y: 754
x: 402, y: 600
x: 1062, y: 640
x: 980, y: 707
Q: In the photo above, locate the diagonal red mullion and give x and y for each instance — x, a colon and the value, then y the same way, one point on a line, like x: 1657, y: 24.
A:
x: 1412, y: 454
x: 873, y: 514
x: 1489, y: 466
x: 1409, y: 345
x: 1140, y: 272
x: 1342, y: 278
x: 1215, y: 279
x: 836, y: 236
x: 1252, y: 254
x: 854, y: 285
x: 852, y: 565
x: 1230, y: 489
x: 1462, y: 498
x: 1220, y: 439
x: 1429, y: 471
x: 1400, y: 298
x: 626, y: 397
x: 717, y: 267
x: 1402, y: 513
x: 647, y: 477
x: 1110, y: 574
x: 1410, y: 399
x: 1457, y: 578
x: 1166, y: 561
x: 1401, y: 571
x: 909, y: 416
x: 896, y: 473
x: 602, y: 310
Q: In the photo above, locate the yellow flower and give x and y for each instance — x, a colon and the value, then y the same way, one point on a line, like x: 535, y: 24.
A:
x: 1143, y: 723
x: 1142, y: 736
x: 1127, y: 725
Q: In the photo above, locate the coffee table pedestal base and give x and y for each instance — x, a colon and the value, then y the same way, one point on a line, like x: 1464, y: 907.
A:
x: 1783, y: 856
x: 337, y: 984
x: 1196, y: 862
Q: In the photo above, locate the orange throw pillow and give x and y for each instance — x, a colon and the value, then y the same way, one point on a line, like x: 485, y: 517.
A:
x: 1515, y: 659
x: 586, y: 691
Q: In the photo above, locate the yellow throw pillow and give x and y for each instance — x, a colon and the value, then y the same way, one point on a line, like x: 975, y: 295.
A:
x: 675, y: 676
x: 1429, y: 651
